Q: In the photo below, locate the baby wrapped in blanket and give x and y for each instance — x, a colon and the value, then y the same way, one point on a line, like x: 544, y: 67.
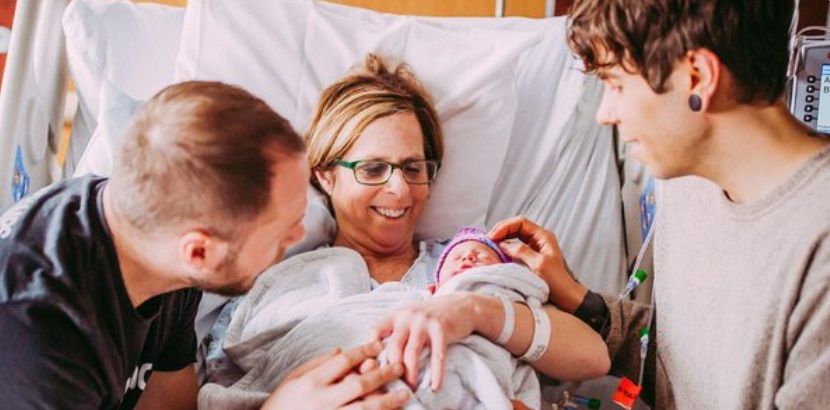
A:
x: 311, y: 303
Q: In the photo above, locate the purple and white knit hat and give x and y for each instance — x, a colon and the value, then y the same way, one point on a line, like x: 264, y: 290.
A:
x: 465, y: 234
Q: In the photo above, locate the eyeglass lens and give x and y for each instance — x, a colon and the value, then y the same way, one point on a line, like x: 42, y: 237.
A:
x: 377, y: 172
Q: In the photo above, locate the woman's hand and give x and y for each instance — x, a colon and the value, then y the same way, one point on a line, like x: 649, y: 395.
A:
x: 441, y: 321
x: 347, y: 380
x: 539, y: 251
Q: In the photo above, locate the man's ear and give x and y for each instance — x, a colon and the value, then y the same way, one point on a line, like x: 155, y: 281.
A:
x: 326, y: 179
x: 201, y: 252
x: 704, y: 75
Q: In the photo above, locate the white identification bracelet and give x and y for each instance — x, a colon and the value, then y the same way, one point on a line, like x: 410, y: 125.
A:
x: 541, y: 334
x: 509, y: 320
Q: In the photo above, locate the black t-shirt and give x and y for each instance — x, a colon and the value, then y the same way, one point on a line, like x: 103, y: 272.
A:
x: 69, y: 335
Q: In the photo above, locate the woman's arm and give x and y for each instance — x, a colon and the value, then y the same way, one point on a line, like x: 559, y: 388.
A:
x: 575, y: 351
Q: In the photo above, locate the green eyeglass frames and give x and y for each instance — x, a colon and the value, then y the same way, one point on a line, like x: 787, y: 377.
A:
x: 377, y: 172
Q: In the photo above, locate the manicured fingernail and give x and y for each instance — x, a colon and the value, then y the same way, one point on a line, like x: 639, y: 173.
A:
x: 402, y: 396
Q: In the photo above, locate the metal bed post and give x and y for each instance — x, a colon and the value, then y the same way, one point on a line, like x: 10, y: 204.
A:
x: 550, y: 7
x: 31, y: 99
x: 499, y: 8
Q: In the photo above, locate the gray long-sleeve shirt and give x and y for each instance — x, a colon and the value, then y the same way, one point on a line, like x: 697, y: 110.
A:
x: 742, y: 296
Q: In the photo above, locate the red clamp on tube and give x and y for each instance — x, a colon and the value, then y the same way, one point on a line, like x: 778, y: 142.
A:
x: 626, y: 394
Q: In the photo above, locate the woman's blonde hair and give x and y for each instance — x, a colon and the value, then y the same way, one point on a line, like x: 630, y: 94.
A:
x: 361, y: 97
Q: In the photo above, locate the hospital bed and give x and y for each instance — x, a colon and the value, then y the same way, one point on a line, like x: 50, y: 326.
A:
x: 517, y: 111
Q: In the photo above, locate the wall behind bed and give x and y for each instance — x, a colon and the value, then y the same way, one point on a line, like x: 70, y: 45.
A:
x: 525, y: 8
x: 813, y: 12
x: 6, y: 14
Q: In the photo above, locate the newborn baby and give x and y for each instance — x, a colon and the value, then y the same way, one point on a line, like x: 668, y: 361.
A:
x: 469, y: 248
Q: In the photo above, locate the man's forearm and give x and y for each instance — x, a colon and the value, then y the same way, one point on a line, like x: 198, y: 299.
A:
x: 170, y: 390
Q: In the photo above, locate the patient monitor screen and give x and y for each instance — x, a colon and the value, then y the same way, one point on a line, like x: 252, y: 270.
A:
x: 823, y: 124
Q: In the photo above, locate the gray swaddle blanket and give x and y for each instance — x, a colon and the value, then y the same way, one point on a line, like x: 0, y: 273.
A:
x: 313, y: 302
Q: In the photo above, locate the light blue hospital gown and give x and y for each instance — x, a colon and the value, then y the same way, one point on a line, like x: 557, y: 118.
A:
x: 218, y: 368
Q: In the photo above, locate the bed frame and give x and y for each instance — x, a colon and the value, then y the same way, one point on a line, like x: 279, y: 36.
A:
x: 32, y: 97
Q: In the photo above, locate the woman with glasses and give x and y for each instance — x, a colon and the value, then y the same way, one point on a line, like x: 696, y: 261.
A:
x: 374, y: 146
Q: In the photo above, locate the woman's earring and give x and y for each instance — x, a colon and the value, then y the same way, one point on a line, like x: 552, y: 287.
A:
x: 695, y: 103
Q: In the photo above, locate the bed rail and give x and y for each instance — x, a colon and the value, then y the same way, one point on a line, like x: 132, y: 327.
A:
x: 31, y: 99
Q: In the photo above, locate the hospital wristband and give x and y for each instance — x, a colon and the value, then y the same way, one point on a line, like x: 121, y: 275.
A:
x: 509, y: 320
x: 541, y: 334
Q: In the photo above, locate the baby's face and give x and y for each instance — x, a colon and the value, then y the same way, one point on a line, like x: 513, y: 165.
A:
x: 466, y: 255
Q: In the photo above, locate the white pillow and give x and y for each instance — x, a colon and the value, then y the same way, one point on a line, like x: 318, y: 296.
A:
x: 469, y: 79
x: 560, y: 168
x: 116, y: 109
x: 132, y: 46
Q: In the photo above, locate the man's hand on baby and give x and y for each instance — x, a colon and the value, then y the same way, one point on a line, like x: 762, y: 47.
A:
x: 340, y: 380
x: 435, y: 323
x: 539, y: 250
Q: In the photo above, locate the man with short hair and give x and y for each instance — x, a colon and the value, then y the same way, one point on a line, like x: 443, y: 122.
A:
x: 100, y: 278
x: 742, y: 254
